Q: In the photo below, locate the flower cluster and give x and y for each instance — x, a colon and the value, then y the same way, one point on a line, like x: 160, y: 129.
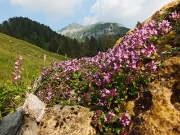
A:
x: 105, y: 80
x: 17, y: 70
x: 125, y: 120
x: 175, y: 15
x: 109, y: 118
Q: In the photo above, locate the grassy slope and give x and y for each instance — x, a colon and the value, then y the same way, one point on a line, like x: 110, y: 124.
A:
x: 33, y: 58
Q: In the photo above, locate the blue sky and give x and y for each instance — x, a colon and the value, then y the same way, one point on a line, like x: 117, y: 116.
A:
x: 57, y: 14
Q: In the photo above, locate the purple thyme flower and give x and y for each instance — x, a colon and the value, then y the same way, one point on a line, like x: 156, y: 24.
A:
x: 109, y: 118
x: 175, y: 15
x: 125, y: 120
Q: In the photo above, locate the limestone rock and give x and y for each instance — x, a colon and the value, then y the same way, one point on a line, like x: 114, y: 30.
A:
x: 162, y: 117
x: 28, y: 127
x: 158, y: 111
x: 10, y: 123
x: 34, y: 107
x: 67, y: 120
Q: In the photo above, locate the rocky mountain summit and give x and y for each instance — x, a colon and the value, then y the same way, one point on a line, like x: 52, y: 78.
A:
x: 99, y: 29
x: 156, y: 110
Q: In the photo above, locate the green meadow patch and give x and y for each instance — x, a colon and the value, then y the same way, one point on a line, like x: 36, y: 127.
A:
x: 33, y: 59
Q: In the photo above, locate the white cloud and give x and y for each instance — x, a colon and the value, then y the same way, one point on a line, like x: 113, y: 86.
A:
x: 90, y: 20
x: 127, y: 12
x: 52, y: 8
x: 124, y: 8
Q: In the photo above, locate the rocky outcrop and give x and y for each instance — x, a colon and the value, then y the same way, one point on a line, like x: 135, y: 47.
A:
x: 34, y: 119
x: 60, y: 120
x: 28, y: 127
x: 67, y: 120
x: 24, y: 120
x: 34, y: 107
x: 157, y: 110
x: 175, y: 5
x: 11, y: 123
x: 162, y: 117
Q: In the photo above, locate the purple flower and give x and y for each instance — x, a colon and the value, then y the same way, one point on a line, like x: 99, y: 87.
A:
x: 125, y: 120
x: 96, y: 76
x: 44, y: 72
x: 17, y: 70
x: 175, y: 15
x: 104, y: 93
x: 67, y: 77
x: 151, y: 66
x: 130, y: 78
x: 98, y: 82
x: 49, y: 93
x: 164, y: 27
x: 102, y: 102
x: 48, y: 98
x: 109, y: 118
x: 107, y: 78
x: 87, y: 96
x: 113, y: 92
x: 124, y: 132
x: 105, y: 119
x: 98, y: 112
x: 40, y: 93
x: 95, y: 120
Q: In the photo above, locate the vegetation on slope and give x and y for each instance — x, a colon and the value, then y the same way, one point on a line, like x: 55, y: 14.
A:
x: 107, y: 81
x: 32, y: 62
x: 33, y: 57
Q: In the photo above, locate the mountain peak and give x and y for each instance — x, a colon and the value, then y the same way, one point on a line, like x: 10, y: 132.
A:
x: 74, y: 25
x: 98, y: 29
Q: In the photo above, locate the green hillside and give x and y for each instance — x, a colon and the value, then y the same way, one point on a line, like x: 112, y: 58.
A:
x: 33, y: 58
x: 44, y: 37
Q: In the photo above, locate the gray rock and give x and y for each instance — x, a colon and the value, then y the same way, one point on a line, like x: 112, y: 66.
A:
x: 10, y: 123
x: 34, y: 107
x: 28, y: 127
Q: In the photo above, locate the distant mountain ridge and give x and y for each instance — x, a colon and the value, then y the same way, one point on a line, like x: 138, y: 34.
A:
x: 97, y: 37
x: 99, y: 29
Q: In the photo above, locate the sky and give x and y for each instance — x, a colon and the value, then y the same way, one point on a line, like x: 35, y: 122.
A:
x: 57, y: 14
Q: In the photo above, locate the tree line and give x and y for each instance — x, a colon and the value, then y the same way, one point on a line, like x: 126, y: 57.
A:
x: 44, y: 37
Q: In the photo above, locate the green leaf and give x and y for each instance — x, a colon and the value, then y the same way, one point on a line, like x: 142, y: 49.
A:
x: 118, y: 130
x: 142, y: 68
x: 134, y: 84
x: 116, y: 109
x: 111, y: 98
x: 168, y: 46
x: 115, y: 101
x: 153, y: 57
